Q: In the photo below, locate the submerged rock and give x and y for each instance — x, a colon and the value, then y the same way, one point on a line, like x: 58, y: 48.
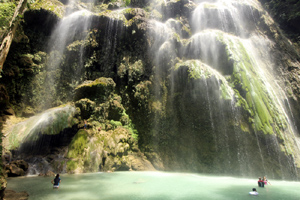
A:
x: 13, y: 195
x: 47, y: 174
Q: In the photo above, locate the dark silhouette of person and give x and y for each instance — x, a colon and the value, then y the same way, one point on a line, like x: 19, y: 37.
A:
x: 56, y: 182
x: 260, y: 182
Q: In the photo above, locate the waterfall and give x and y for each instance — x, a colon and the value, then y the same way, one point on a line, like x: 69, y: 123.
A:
x: 197, y: 79
x: 226, y: 41
x: 50, y: 122
x: 72, y: 28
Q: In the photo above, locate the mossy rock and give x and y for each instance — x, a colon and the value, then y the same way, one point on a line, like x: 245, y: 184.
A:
x: 41, y: 20
x: 86, y: 106
x: 134, y: 12
x: 175, y: 8
x: 54, y: 6
x: 98, y: 90
x: 78, y: 143
x: 115, y: 108
x: 133, y: 71
x: 198, y: 70
x: 137, y: 18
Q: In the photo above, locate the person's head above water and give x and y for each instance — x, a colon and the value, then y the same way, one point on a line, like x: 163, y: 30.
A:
x: 57, y: 176
x: 254, y: 189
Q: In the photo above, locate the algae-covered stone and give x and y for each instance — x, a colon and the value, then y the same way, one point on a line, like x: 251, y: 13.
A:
x: 54, y: 6
x: 78, y: 143
x: 27, y: 132
x: 142, y: 92
x: 105, y: 150
x: 115, y: 109
x: 86, y: 106
x: 133, y: 71
x: 98, y: 90
x: 199, y: 70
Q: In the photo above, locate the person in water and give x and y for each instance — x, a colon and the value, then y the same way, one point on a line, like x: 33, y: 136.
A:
x: 260, y: 182
x: 266, y: 182
x: 56, y: 182
x: 253, y: 192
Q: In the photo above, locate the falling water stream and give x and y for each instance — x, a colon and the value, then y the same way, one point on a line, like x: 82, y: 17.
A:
x: 228, y: 30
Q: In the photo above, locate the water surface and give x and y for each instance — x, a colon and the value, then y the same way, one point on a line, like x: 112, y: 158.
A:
x: 151, y: 186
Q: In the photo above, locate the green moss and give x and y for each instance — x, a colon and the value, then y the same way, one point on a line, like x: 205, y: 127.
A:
x: 259, y: 102
x: 133, y: 132
x: 241, y: 102
x: 226, y: 91
x: 113, y: 14
x: 98, y: 82
x: 50, y: 122
x: 127, y: 2
x: 199, y: 70
x: 133, y: 71
x: 71, y: 166
x: 196, y: 69
x: 245, y: 127
x: 54, y: 6
x: 78, y: 143
x: 76, y: 45
x: 98, y: 90
x: 115, y: 124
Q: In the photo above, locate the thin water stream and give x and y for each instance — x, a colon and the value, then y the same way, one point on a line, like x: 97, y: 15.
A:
x: 152, y: 186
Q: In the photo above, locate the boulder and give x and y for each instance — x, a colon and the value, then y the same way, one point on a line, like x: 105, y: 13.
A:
x: 140, y: 163
x: 47, y: 174
x: 115, y: 109
x: 9, y: 111
x: 98, y: 90
x: 174, y: 8
x: 12, y: 170
x: 16, y: 168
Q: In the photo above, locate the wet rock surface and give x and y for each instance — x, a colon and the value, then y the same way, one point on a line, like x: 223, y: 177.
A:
x: 13, y: 195
x: 16, y: 168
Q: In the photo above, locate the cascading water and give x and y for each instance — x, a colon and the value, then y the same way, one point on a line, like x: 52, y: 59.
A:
x: 38, y: 135
x: 226, y: 37
x: 73, y: 27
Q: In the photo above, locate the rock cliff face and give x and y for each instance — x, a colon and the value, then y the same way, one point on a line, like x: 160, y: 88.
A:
x: 198, y: 86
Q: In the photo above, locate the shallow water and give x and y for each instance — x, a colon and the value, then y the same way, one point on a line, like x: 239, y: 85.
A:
x: 151, y: 186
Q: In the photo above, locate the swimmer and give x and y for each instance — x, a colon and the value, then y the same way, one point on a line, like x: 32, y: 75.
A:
x: 260, y: 182
x: 253, y: 192
x: 266, y: 181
